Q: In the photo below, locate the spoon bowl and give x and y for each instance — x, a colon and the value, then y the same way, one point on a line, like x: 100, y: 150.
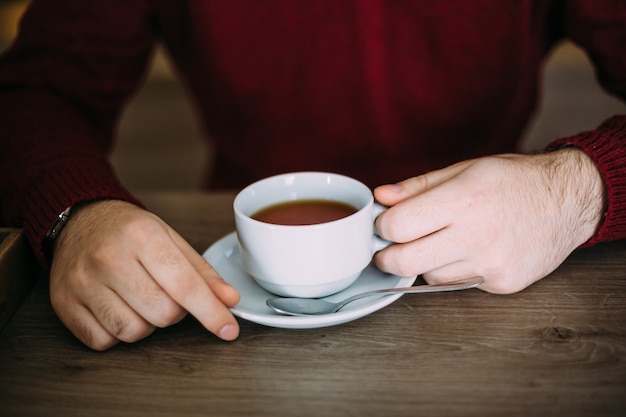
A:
x: 314, y: 306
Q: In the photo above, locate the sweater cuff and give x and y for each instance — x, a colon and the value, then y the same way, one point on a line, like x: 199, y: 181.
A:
x: 606, y: 146
x: 65, y: 187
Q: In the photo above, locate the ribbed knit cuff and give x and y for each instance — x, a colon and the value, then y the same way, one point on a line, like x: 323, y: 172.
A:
x: 67, y: 186
x: 607, y: 147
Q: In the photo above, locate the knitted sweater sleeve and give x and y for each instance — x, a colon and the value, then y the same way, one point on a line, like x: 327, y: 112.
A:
x: 599, y: 27
x: 606, y: 145
x: 62, y: 85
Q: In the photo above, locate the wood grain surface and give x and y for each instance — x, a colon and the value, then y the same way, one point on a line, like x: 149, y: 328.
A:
x: 17, y: 271
x: 556, y: 348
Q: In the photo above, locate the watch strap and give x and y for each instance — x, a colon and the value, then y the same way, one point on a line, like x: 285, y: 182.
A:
x: 58, y: 224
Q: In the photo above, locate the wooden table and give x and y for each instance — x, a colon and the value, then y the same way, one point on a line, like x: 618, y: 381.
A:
x: 557, y: 348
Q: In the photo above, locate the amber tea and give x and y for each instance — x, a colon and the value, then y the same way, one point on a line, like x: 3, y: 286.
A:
x: 304, y: 212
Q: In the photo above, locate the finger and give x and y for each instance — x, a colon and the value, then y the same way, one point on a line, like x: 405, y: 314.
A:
x: 84, y: 326
x: 431, y: 205
x: 145, y: 296
x: 452, y: 272
x: 168, y: 265
x: 496, y: 284
x: 76, y: 316
x: 223, y: 290
x: 392, y: 194
x: 416, y: 217
x: 116, y: 316
x: 420, y: 256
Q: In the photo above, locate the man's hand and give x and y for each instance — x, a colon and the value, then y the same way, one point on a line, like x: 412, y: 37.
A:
x: 511, y: 219
x: 119, y: 272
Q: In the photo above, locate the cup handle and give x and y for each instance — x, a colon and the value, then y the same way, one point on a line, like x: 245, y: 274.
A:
x: 378, y: 243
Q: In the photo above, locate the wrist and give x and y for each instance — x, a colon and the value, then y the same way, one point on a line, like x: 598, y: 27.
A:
x: 582, y: 190
x: 54, y: 234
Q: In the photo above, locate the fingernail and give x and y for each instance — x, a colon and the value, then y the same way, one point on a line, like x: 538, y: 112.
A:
x: 393, y: 188
x: 229, y: 332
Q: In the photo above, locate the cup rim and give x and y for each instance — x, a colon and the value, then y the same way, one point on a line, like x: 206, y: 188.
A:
x: 245, y: 217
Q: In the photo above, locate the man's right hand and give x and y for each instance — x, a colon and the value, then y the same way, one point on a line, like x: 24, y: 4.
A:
x: 119, y: 272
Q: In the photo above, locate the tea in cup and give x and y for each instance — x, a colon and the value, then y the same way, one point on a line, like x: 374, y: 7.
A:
x: 306, y: 234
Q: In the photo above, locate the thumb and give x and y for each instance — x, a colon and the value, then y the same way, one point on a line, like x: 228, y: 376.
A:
x: 392, y: 194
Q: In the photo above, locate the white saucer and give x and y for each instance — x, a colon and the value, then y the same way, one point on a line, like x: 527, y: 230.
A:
x: 224, y: 256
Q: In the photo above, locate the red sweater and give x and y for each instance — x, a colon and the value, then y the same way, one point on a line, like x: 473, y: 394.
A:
x: 379, y: 90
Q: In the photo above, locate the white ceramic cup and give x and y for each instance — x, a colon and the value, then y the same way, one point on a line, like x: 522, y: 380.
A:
x: 307, y: 260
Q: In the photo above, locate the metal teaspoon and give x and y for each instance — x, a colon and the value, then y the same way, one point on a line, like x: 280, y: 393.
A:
x: 315, y: 306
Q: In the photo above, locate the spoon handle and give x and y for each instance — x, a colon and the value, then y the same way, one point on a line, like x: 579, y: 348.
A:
x: 463, y: 284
